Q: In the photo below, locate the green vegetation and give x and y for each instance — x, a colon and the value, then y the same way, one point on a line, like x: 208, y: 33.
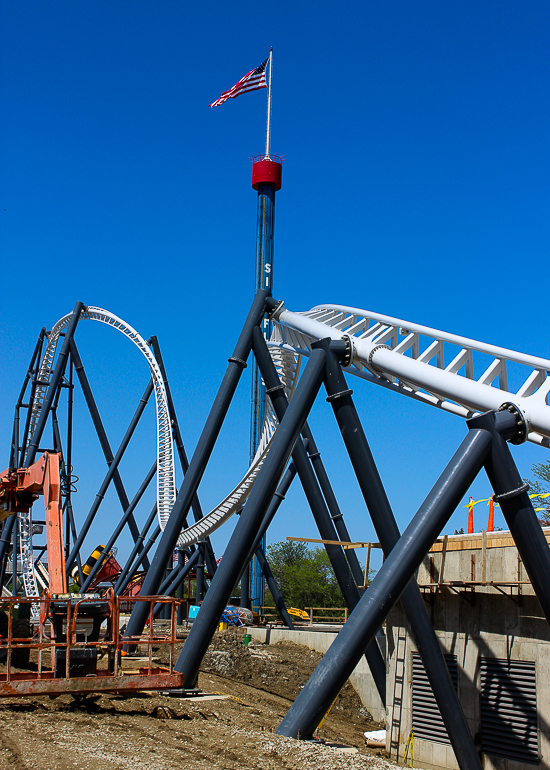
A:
x: 304, y: 575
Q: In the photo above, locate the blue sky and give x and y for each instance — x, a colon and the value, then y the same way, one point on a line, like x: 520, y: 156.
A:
x: 415, y: 184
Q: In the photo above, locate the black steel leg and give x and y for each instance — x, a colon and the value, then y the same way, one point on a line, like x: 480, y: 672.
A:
x: 343, y: 655
x: 251, y: 519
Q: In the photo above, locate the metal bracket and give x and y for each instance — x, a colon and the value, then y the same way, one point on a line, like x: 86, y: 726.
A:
x: 521, y: 422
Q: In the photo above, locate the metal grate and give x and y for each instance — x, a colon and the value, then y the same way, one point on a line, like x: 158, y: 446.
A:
x: 509, y: 709
x: 427, y: 721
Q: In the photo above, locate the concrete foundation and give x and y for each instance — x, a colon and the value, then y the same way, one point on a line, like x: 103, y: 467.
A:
x: 482, y: 607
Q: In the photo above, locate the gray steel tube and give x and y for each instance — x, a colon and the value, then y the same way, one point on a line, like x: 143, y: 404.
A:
x: 388, y: 533
x: 131, y: 563
x: 513, y: 496
x: 332, y: 503
x: 102, y: 436
x: 182, y: 454
x: 317, y: 503
x: 274, y: 588
x: 343, y: 655
x: 113, y: 467
x: 120, y: 526
x: 251, y: 519
x: 176, y: 580
x: 54, y: 382
x: 200, y: 458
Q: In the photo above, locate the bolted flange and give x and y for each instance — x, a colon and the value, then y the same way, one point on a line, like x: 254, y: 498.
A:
x: 521, y: 422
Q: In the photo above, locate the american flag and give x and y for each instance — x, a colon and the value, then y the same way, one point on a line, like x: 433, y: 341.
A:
x: 252, y: 81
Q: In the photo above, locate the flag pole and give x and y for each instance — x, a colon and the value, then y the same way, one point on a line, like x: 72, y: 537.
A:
x: 268, y: 131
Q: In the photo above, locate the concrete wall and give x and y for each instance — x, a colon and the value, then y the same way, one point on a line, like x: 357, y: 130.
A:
x: 470, y: 625
x: 361, y: 678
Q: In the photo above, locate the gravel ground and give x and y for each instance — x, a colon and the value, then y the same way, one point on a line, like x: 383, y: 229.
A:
x: 150, y: 731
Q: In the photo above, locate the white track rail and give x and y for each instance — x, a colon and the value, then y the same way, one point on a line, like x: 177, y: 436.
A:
x: 287, y: 365
x: 426, y: 364
x: 453, y: 373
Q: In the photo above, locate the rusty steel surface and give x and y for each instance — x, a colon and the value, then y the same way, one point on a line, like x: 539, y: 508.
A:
x: 25, y: 684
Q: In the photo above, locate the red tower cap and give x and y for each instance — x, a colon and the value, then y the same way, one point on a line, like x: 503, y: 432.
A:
x: 267, y: 171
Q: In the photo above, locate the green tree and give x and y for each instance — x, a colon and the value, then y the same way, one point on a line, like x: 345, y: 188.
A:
x: 541, y: 486
x: 305, y: 576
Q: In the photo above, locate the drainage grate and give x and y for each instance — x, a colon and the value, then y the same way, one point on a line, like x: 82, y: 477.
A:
x: 509, y: 709
x: 427, y: 721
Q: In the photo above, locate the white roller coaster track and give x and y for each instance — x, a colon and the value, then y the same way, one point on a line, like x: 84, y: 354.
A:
x: 287, y: 364
x: 440, y: 369
x: 402, y: 356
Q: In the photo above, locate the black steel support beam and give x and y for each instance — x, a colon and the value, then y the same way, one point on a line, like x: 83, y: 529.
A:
x: 335, y: 513
x: 34, y: 371
x: 55, y: 381
x: 102, y: 436
x: 112, y: 471
x: 200, y: 458
x: 318, y: 506
x: 274, y: 589
x: 120, y: 526
x: 176, y: 581
x: 182, y: 454
x: 251, y: 519
x: 42, y: 420
x: 513, y: 496
x: 374, y: 494
x: 136, y: 557
x: 345, y: 652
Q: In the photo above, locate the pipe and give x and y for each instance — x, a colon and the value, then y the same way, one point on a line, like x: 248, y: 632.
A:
x: 250, y: 519
x: 374, y: 494
x: 196, y: 469
x: 326, y: 527
x: 345, y: 652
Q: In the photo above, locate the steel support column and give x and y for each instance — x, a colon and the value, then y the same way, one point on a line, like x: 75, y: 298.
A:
x: 374, y: 494
x: 113, y: 468
x: 200, y: 458
x: 512, y: 495
x: 138, y: 551
x: 251, y: 519
x: 317, y: 503
x: 182, y: 454
x: 345, y: 652
x: 274, y: 589
x: 119, y: 527
x: 102, y: 436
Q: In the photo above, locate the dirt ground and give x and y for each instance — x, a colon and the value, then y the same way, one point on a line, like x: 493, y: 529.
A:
x: 150, y: 731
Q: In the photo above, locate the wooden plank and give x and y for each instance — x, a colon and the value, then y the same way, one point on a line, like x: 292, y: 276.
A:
x: 443, y: 555
x: 343, y: 543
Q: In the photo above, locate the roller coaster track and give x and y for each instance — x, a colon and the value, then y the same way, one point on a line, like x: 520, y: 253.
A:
x: 453, y: 373
x: 287, y: 365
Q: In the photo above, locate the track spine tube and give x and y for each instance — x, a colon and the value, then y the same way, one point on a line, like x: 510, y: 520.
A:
x: 345, y: 652
x: 199, y: 461
x: 251, y: 518
x: 388, y: 533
